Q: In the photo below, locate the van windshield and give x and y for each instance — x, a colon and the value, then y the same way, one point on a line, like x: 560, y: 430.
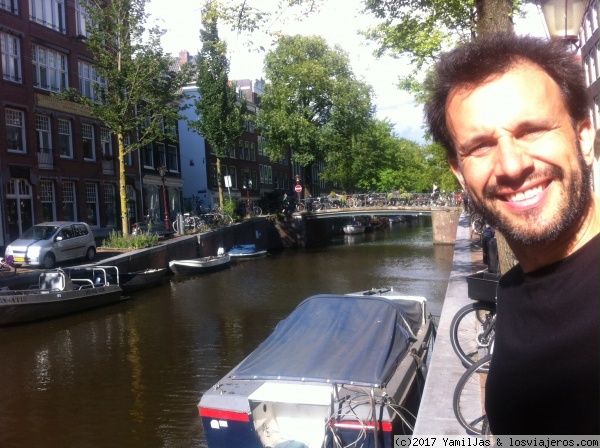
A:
x: 39, y: 233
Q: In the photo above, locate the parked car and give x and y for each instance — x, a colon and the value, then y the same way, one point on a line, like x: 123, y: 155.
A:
x: 48, y: 243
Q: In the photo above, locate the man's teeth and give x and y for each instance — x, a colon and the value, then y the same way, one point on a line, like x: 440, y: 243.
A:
x: 522, y: 195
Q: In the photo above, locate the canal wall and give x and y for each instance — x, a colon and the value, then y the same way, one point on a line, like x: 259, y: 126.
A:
x: 436, y: 415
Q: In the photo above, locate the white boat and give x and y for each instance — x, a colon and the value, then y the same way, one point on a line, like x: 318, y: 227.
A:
x: 200, y: 265
x: 340, y: 370
x: 59, y: 292
x: 242, y: 251
x: 354, y: 228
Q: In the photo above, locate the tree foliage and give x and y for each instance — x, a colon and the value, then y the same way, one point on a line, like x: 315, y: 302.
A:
x: 137, y: 88
x: 221, y: 113
x: 312, y: 102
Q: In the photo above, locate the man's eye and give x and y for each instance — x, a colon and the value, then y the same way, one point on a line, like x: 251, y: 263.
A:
x: 531, y: 134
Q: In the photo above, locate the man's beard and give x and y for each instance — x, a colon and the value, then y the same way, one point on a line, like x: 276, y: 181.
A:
x: 570, y: 209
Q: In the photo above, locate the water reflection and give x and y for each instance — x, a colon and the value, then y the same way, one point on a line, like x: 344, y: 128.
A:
x: 131, y: 374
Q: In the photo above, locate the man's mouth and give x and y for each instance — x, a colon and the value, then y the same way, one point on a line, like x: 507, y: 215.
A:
x: 524, y: 195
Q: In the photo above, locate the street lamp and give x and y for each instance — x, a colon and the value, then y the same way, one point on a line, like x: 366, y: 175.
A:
x: 563, y: 18
x: 298, y: 190
x: 248, y: 186
x: 162, y: 170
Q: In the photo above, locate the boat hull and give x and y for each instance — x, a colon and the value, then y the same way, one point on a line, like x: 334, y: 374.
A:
x: 199, y: 265
x: 353, y: 230
x: 135, y: 281
x: 46, y: 301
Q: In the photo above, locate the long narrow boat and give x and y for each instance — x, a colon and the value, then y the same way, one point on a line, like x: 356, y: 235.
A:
x: 200, y: 265
x: 354, y: 228
x: 244, y: 251
x: 146, y: 278
x: 340, y: 370
x: 59, y: 292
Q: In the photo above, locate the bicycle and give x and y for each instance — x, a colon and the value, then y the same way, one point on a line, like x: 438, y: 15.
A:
x: 7, y: 266
x: 473, y: 327
x: 477, y: 224
x: 467, y: 401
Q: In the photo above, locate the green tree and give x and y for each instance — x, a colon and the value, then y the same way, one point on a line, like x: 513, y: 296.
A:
x: 312, y: 105
x: 137, y: 92
x: 221, y: 113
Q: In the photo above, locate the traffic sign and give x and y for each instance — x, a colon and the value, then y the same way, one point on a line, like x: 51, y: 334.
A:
x: 298, y: 188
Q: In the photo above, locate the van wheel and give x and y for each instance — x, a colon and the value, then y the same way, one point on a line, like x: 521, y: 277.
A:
x: 90, y: 254
x: 48, y: 261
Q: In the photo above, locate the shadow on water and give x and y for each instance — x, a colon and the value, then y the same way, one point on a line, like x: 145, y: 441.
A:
x: 130, y: 375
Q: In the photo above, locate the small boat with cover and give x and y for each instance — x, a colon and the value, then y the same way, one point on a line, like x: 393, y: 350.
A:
x: 201, y: 265
x: 339, y: 371
x: 243, y: 251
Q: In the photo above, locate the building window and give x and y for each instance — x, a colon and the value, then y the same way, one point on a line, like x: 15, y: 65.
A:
x: 15, y: 130
x: 10, y: 5
x: 89, y: 82
x: 252, y: 152
x: 131, y: 204
x: 172, y: 155
x: 148, y: 159
x: 81, y: 18
x: 11, y: 57
x: 91, y: 206
x: 106, y: 143
x: 65, y: 140
x: 162, y: 156
x: 49, y: 13
x: 87, y: 140
x: 49, y: 69
x: 42, y: 127
x: 47, y: 200
x: 241, y: 150
x: 213, y: 176
x: 247, y: 150
x: 127, y: 155
x: 68, y: 201
x: 110, y: 205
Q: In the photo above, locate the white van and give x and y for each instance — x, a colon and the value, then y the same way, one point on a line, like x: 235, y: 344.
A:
x: 47, y: 243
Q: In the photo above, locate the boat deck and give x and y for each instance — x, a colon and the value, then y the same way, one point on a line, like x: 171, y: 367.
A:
x: 436, y: 416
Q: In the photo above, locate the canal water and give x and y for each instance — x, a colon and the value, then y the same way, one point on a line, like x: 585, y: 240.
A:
x: 131, y: 374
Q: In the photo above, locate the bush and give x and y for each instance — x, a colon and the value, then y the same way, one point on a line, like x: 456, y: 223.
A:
x: 230, y: 207
x: 116, y: 240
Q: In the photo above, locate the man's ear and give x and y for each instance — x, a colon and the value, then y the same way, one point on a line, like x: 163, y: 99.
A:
x: 586, y: 135
x: 455, y: 167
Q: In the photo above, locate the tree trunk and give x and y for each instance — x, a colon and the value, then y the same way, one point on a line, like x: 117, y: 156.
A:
x: 505, y: 255
x: 122, y: 185
x: 219, y: 183
x: 494, y: 16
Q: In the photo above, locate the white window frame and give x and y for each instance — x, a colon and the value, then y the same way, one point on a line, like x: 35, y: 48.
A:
x: 10, y: 5
x: 15, y: 119
x: 106, y: 142
x: 85, y: 136
x: 44, y: 134
x: 89, y: 81
x: 91, y: 197
x: 81, y: 18
x: 65, y: 138
x: 11, y: 57
x: 47, y: 197
x: 148, y: 160
x: 172, y: 158
x: 49, y: 69
x: 49, y: 13
x: 110, y: 204
x: 162, y: 154
x: 68, y: 197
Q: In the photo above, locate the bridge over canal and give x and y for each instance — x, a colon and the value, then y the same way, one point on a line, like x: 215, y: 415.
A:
x: 444, y: 219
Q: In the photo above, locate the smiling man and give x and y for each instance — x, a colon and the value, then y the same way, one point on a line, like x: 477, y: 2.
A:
x: 513, y: 115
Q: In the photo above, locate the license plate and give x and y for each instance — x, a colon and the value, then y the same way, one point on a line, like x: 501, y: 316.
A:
x: 19, y: 259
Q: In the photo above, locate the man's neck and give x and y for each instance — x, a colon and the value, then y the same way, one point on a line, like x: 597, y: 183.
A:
x: 533, y: 257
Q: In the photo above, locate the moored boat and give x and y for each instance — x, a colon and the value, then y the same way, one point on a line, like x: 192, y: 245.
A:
x: 60, y: 292
x: 243, y: 251
x: 200, y: 265
x: 354, y: 228
x: 147, y: 278
x: 338, y: 371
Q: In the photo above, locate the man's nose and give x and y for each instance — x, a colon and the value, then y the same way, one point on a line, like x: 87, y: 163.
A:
x: 513, y: 160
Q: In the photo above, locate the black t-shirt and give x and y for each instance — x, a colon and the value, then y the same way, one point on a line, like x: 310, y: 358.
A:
x: 545, y: 372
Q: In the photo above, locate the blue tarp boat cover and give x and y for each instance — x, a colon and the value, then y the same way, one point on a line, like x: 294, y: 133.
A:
x: 343, y: 339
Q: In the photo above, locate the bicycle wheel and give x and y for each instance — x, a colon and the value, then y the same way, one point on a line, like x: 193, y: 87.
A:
x: 466, y: 328
x: 477, y: 225
x: 300, y: 207
x: 256, y: 211
x: 6, y: 270
x: 468, y: 403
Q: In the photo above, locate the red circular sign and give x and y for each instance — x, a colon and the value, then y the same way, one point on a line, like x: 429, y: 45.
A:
x: 298, y: 188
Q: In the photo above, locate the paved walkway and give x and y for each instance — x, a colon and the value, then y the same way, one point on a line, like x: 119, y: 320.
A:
x: 436, y: 416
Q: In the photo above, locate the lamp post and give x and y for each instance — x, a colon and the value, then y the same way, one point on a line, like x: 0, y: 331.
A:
x: 248, y: 186
x: 298, y: 190
x: 563, y: 18
x: 162, y: 170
